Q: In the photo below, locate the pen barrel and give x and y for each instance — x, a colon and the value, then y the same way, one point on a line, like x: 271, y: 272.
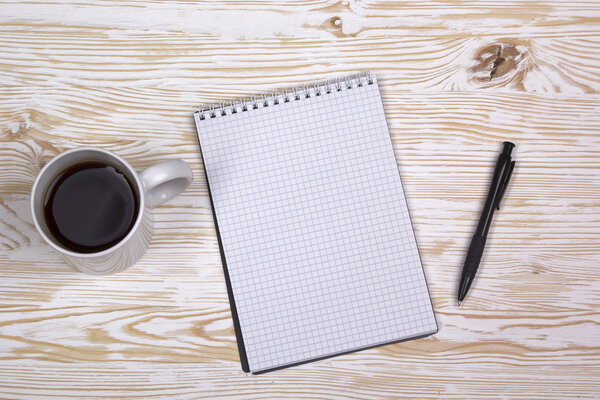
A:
x: 474, y: 254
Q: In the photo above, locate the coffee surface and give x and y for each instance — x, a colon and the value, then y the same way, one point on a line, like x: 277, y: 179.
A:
x: 90, y: 207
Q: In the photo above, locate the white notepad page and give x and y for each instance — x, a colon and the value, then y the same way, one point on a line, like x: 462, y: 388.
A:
x: 314, y: 225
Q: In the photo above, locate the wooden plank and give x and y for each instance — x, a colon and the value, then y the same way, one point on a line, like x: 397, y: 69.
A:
x: 51, y: 57
x: 249, y: 19
x: 205, y: 335
x: 355, y: 378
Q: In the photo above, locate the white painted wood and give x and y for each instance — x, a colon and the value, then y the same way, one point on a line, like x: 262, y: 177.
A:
x: 127, y: 75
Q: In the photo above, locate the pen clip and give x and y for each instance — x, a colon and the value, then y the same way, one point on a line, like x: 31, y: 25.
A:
x: 505, y: 184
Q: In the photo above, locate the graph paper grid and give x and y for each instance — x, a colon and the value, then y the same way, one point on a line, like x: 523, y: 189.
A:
x: 314, y: 227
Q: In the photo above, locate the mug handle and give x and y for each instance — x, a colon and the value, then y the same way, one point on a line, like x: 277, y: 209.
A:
x: 165, y: 180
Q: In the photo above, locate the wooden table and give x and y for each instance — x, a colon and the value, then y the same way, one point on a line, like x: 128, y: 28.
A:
x: 456, y: 79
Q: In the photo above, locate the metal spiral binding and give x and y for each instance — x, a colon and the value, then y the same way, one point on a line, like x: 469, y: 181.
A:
x: 298, y: 92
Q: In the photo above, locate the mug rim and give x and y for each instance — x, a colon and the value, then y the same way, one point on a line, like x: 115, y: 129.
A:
x: 122, y: 242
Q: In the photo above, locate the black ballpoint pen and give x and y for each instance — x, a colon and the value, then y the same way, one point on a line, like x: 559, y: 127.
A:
x: 502, y: 173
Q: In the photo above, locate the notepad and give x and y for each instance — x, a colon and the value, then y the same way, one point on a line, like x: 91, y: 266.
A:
x: 317, y: 245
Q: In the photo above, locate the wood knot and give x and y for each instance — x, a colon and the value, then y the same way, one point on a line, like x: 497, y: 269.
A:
x: 345, y: 22
x: 500, y: 64
x: 334, y: 25
x: 19, y: 128
x: 335, y: 22
x: 349, y: 27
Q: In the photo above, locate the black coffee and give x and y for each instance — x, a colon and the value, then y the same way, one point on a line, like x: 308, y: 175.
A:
x: 90, y: 207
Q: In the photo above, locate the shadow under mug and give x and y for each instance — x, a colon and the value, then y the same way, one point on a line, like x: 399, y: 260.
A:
x: 153, y: 186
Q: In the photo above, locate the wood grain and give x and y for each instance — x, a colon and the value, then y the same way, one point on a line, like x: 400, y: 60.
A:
x: 457, y: 78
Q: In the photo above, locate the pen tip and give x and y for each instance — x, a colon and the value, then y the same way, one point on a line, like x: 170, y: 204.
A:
x: 459, y: 303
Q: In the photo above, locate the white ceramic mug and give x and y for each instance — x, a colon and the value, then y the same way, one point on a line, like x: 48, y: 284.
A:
x: 153, y: 186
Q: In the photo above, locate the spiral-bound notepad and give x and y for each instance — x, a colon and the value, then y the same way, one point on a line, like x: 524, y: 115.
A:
x: 316, y: 241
